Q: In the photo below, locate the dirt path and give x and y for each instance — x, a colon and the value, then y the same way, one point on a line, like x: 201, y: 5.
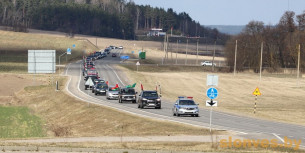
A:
x: 182, y: 138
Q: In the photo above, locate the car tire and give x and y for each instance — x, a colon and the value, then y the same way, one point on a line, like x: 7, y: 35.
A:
x: 92, y: 91
x: 174, y: 114
x: 85, y: 88
x: 134, y: 101
x: 178, y: 114
x: 142, y: 106
x: 95, y: 93
x: 197, y: 115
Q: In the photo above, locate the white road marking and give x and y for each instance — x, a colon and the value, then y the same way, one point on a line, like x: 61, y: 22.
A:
x: 116, y: 74
x: 67, y: 69
x: 241, y: 132
x: 278, y: 137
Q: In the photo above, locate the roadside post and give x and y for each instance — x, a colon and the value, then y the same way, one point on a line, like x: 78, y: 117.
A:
x: 138, y: 64
x: 212, y: 93
x: 256, y: 93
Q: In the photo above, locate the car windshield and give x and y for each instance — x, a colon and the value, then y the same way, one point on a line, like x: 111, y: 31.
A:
x: 128, y: 91
x: 102, y: 85
x: 187, y: 102
x: 150, y: 94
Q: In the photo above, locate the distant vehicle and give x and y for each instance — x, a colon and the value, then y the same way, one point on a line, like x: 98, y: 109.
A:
x: 113, y: 54
x: 107, y: 50
x: 112, y: 93
x: 101, y: 88
x: 207, y: 63
x: 185, y: 106
x: 149, y: 99
x: 95, y: 82
x: 120, y: 47
x: 91, y: 72
x: 89, y: 81
x: 127, y: 94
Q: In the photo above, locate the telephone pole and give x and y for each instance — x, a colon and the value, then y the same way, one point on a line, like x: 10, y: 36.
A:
x: 298, y: 71
x: 261, y: 62
x: 187, y: 43
x: 235, y: 58
x: 197, y: 52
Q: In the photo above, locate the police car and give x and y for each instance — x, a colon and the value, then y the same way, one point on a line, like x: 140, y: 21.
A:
x: 185, y: 106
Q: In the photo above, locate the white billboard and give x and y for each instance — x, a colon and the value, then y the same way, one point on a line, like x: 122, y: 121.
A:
x: 41, y: 61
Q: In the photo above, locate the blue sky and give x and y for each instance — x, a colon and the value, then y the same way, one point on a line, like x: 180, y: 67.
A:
x: 230, y: 12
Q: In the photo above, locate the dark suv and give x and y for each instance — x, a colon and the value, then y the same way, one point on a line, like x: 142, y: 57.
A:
x: 101, y: 88
x: 149, y: 99
x: 127, y: 94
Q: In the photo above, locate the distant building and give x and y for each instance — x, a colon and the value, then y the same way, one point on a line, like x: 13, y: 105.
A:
x: 156, y: 32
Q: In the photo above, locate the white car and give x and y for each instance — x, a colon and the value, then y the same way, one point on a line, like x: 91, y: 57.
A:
x: 207, y: 63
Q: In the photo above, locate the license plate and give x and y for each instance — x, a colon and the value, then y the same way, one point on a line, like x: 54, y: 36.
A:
x: 150, y: 101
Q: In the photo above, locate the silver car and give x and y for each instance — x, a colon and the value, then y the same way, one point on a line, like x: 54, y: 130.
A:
x: 112, y: 93
x: 185, y: 106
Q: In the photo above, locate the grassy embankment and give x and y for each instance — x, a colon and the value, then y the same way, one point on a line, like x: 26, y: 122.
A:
x: 15, y: 45
x: 18, y: 122
x: 280, y: 93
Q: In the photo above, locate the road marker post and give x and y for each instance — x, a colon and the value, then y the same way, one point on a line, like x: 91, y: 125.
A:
x: 138, y: 64
x: 256, y: 93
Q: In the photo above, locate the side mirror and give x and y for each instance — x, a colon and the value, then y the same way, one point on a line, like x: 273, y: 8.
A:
x: 160, y: 96
x: 136, y: 92
x: 176, y: 104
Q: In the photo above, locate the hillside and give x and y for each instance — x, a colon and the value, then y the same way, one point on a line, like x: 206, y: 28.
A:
x: 228, y: 29
x: 105, y: 18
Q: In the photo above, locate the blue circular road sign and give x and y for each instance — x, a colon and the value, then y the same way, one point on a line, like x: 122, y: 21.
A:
x: 73, y: 45
x: 212, y: 93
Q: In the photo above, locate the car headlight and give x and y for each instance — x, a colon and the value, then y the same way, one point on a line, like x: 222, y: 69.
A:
x: 144, y: 99
x: 158, y: 99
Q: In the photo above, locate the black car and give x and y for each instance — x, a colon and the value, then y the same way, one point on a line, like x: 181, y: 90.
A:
x: 96, y: 81
x: 149, y: 99
x: 101, y: 88
x: 127, y: 94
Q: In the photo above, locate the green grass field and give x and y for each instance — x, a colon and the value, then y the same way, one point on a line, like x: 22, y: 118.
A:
x: 17, y: 122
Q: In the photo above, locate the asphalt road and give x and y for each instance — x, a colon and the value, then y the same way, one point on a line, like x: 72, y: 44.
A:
x: 248, y: 127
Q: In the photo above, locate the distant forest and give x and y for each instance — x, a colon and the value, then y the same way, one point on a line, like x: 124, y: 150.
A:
x: 280, y: 43
x: 106, y: 18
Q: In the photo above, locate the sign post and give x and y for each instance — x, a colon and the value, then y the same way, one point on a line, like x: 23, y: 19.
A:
x: 212, y: 93
x: 256, y: 93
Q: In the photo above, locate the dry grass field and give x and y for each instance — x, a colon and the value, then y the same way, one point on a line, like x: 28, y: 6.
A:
x: 64, y: 116
x: 280, y: 94
x: 15, y: 46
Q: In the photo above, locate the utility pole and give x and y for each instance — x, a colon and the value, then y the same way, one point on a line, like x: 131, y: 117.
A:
x: 164, y: 49
x: 177, y: 51
x: 298, y: 71
x: 197, y: 51
x: 213, y: 56
x: 261, y: 62
x: 187, y: 43
x: 235, y: 58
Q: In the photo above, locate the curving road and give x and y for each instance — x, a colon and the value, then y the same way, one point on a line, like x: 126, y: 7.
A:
x: 245, y: 126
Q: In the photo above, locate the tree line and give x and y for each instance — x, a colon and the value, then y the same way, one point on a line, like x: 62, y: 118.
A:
x: 107, y: 18
x: 280, y: 44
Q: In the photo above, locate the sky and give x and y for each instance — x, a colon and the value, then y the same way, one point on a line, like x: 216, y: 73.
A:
x: 230, y: 12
